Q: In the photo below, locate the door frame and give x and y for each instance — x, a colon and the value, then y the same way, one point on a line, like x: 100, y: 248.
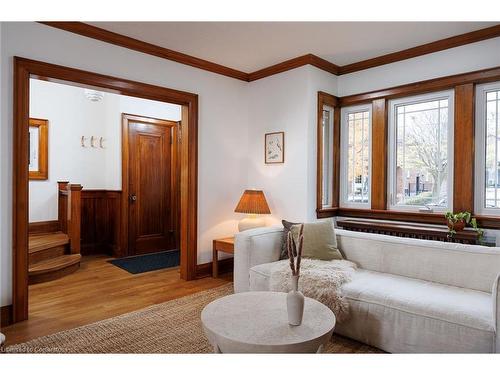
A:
x: 24, y: 69
x: 125, y: 219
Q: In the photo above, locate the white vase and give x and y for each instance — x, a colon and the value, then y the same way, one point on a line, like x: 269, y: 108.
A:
x: 295, y: 303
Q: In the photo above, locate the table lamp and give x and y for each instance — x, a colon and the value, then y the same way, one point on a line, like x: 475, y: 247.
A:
x: 253, y: 203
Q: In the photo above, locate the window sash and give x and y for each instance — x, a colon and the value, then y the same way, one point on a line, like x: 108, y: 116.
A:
x: 392, y: 149
x: 481, y: 148
x: 327, y: 157
x: 344, y: 148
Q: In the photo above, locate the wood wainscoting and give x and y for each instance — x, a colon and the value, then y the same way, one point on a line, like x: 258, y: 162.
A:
x: 101, y: 213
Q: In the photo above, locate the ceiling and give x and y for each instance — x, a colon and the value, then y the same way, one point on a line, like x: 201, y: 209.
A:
x: 250, y: 46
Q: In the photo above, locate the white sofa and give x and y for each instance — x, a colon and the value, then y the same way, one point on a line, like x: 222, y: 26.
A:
x: 407, y: 296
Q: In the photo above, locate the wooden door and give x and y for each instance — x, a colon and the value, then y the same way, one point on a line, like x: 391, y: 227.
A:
x: 152, y: 185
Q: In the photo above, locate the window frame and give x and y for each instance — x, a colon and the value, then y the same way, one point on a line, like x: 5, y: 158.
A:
x: 344, y: 140
x: 329, y: 167
x: 480, y: 149
x: 392, y: 147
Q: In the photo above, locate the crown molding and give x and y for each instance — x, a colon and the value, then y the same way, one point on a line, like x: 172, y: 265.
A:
x: 296, y: 62
x: 424, y: 49
x: 103, y: 35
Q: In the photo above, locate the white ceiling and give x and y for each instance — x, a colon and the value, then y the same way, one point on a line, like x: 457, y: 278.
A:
x: 249, y: 46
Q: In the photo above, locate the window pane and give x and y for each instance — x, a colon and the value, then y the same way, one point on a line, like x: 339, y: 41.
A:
x: 327, y: 156
x: 492, y: 95
x: 492, y: 157
x: 358, y: 128
x: 422, y: 154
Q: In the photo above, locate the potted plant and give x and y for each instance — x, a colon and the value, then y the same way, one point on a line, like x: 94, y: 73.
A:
x: 457, y: 221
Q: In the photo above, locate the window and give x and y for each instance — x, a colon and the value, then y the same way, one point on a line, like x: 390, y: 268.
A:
x: 488, y: 149
x: 355, y: 155
x: 421, y: 152
x: 327, y: 156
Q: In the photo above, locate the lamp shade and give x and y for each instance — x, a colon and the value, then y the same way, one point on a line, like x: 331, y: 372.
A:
x: 253, y: 202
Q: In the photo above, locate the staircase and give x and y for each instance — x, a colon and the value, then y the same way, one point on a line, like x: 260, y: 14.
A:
x: 50, y: 257
x: 56, y: 254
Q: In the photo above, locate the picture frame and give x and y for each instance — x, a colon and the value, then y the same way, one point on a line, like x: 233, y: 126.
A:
x: 38, y: 159
x: 274, y: 148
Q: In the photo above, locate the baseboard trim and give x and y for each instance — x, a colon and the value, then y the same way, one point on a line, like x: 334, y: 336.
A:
x: 205, y: 269
x: 97, y: 249
x: 6, y: 316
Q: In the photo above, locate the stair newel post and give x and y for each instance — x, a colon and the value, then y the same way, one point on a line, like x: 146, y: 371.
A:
x: 74, y: 216
x: 62, y: 205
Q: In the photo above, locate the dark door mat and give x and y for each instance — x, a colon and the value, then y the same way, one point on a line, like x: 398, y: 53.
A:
x: 148, y: 262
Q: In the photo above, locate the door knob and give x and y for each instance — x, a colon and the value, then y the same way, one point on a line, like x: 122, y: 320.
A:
x: 133, y: 197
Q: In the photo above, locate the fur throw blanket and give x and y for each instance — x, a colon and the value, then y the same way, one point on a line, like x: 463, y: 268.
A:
x: 319, y: 279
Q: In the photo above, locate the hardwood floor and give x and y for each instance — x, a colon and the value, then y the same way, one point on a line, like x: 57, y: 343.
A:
x: 99, y: 290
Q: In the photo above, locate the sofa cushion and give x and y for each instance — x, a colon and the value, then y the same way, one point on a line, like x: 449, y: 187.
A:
x: 460, y: 306
x: 287, y: 227
x: 320, y: 241
x: 465, y: 266
x: 404, y: 315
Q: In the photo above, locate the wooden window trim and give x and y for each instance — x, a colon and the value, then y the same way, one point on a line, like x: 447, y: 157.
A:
x: 43, y: 149
x: 463, y: 177
x: 422, y: 87
x: 464, y: 144
x: 379, y: 142
x: 325, y: 99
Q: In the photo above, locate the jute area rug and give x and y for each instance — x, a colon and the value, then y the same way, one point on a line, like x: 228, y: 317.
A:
x: 170, y: 327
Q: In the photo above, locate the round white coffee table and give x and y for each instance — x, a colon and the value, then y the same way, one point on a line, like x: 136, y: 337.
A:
x: 257, y: 322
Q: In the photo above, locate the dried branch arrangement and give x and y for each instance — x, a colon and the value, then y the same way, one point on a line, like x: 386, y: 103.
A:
x: 293, y: 249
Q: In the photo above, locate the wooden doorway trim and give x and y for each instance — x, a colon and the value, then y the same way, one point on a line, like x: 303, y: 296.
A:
x: 126, y: 118
x: 24, y: 69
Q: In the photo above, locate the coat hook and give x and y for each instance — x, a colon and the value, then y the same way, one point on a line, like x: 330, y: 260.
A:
x: 101, y: 141
x: 83, y: 139
x: 92, y: 139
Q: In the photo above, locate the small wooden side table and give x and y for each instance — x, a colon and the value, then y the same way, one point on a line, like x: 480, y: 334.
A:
x: 225, y: 245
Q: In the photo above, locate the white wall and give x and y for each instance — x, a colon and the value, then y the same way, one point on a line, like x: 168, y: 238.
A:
x: 319, y: 80
x: 70, y: 116
x: 287, y: 102
x: 467, y: 58
x: 222, y: 173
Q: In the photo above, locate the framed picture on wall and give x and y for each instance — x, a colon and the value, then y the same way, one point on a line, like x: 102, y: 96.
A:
x: 274, y: 148
x: 38, y: 149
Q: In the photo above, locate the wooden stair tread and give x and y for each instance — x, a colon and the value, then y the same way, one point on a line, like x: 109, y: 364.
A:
x: 45, y: 241
x: 54, y: 264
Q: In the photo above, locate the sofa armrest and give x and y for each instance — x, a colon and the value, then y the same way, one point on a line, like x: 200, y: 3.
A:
x: 496, y: 312
x: 253, y: 247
